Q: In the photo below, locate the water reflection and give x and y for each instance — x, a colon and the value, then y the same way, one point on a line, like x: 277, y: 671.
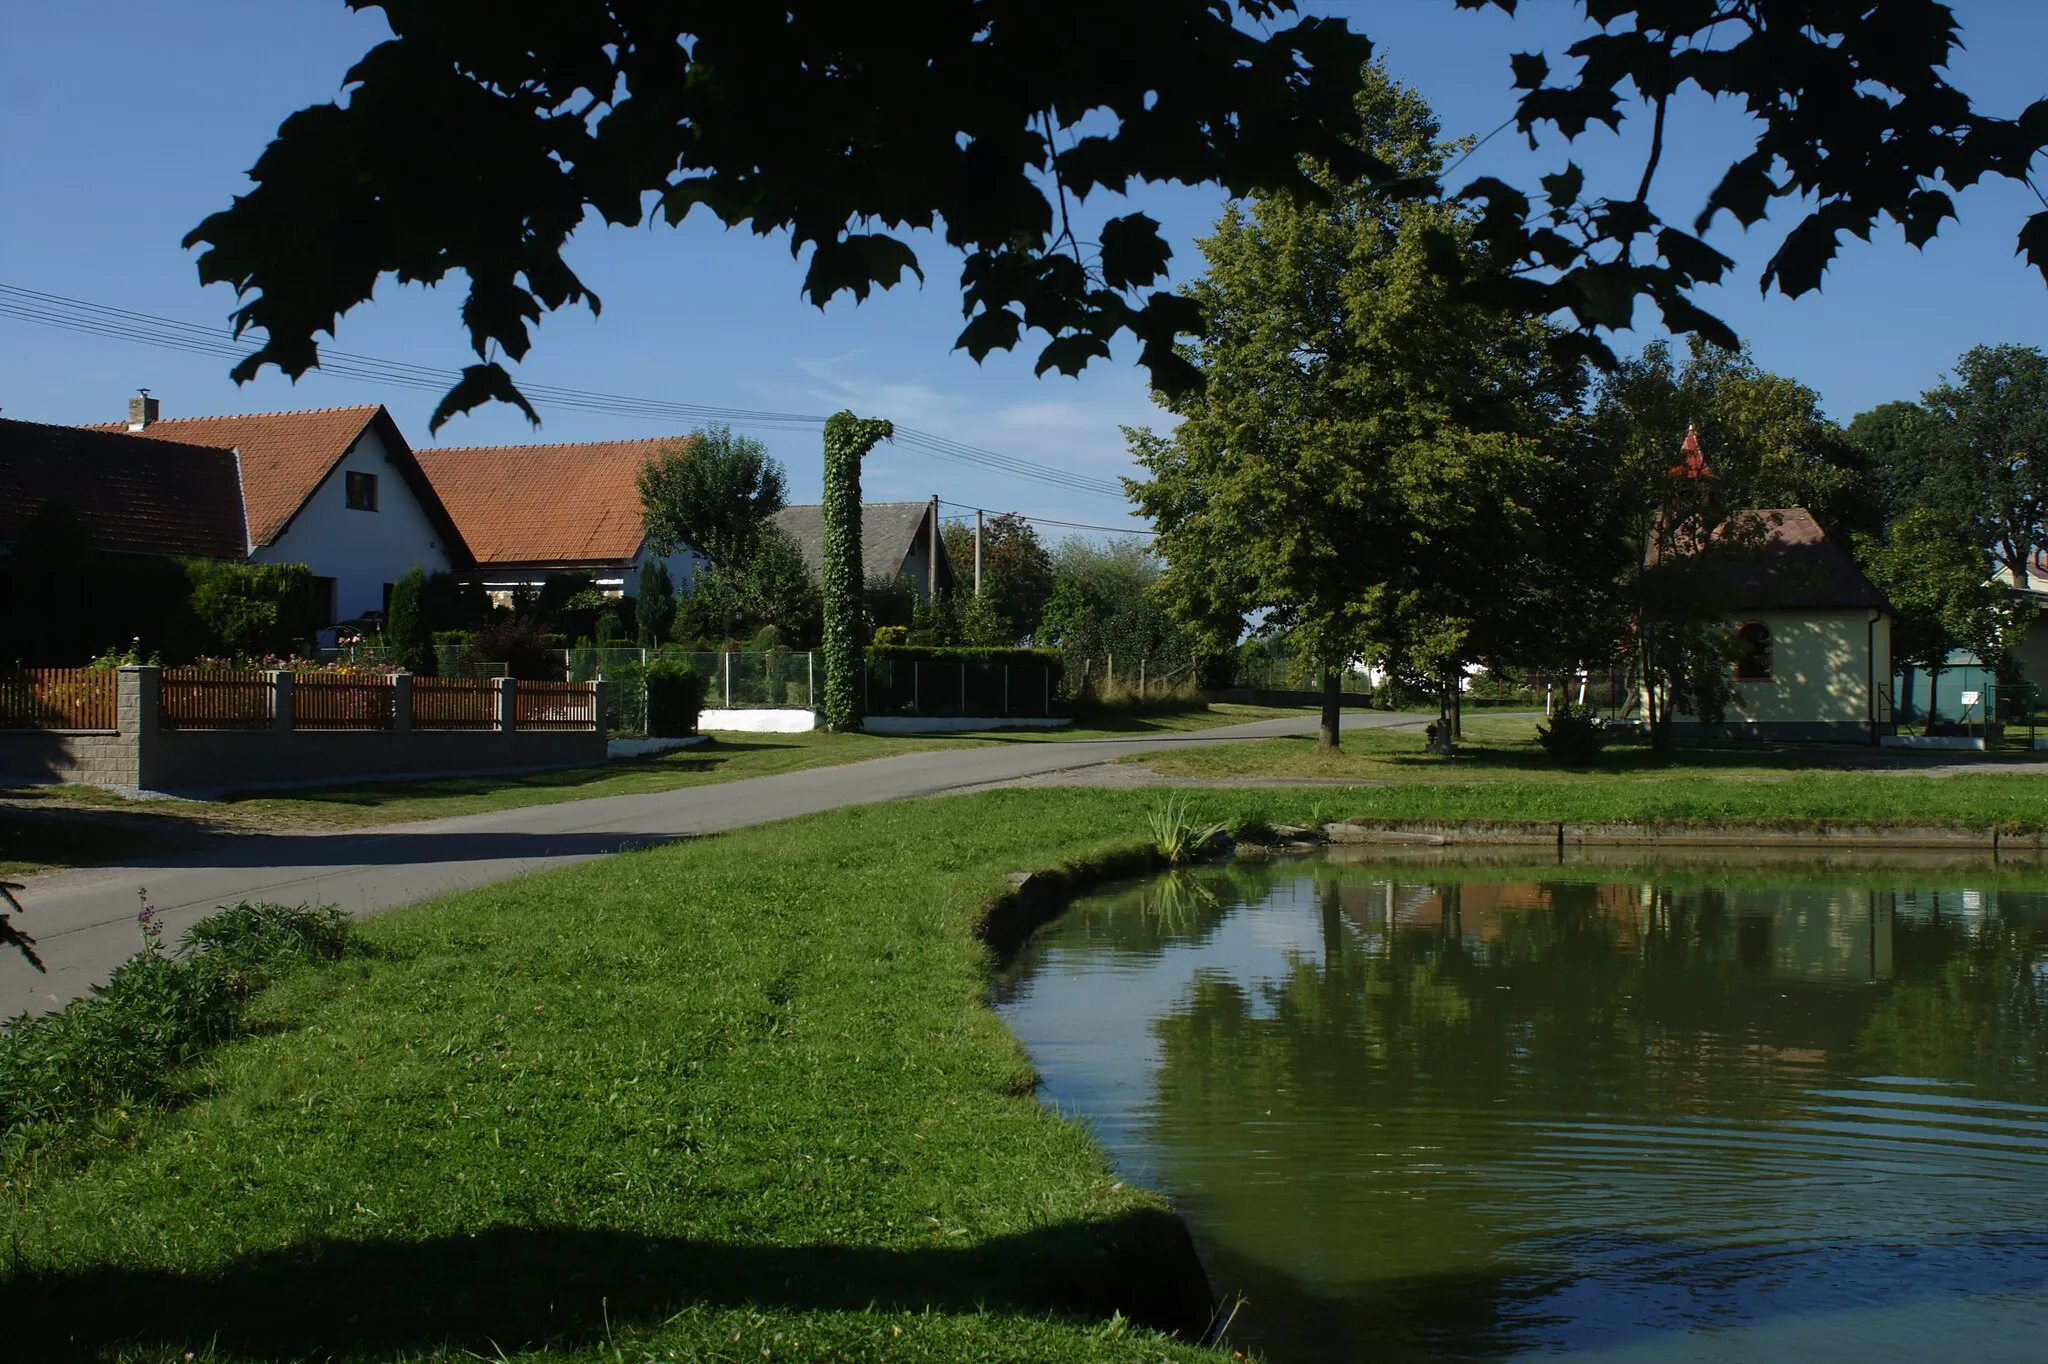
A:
x: 1424, y: 1115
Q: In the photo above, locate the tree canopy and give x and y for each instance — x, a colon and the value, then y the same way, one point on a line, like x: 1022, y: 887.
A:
x: 1357, y: 467
x: 482, y: 135
x: 1016, y: 569
x: 713, y: 492
x: 1985, y: 461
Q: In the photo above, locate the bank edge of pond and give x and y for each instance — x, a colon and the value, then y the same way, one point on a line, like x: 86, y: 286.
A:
x: 1562, y: 835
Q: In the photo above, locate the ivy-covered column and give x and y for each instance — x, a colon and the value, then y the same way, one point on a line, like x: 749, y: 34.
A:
x: 847, y: 441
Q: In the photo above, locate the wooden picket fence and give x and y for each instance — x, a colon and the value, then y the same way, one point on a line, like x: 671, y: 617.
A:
x: 59, y: 698
x: 208, y: 698
x: 454, y: 703
x: 554, y: 705
x: 342, y: 701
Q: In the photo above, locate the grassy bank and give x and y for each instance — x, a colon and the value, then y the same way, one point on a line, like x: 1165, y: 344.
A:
x: 739, y: 1098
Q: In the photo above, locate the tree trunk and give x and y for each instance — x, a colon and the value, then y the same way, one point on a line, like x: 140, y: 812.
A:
x: 1933, y: 700
x: 1457, y: 703
x: 1327, y: 733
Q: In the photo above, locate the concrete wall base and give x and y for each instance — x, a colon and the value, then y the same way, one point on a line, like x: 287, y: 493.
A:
x: 1952, y: 741
x: 959, y: 724
x: 762, y: 721
x: 1778, y: 731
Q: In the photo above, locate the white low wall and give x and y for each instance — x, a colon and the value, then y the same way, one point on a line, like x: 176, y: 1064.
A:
x: 1957, y: 741
x: 954, y: 724
x: 759, y: 721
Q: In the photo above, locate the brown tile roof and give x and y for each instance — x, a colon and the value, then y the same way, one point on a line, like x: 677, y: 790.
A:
x: 1779, y: 558
x: 546, y: 504
x: 285, y: 455
x: 134, y: 494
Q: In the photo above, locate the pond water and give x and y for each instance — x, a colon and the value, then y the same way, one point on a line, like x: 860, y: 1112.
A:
x: 1436, y: 1112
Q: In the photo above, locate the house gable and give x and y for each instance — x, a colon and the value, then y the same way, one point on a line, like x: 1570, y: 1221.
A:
x: 893, y: 536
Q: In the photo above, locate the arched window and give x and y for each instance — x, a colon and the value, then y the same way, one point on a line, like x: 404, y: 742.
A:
x: 1753, y: 652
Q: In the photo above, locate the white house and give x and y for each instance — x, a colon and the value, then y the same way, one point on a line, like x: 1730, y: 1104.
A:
x: 337, y: 489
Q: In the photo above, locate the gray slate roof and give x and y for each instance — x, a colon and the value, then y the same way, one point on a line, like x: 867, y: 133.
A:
x: 888, y: 533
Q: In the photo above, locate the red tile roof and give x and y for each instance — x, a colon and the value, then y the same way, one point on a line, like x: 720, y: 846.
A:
x: 285, y: 455
x: 1694, y: 464
x: 1780, y: 558
x: 134, y: 494
x: 546, y: 504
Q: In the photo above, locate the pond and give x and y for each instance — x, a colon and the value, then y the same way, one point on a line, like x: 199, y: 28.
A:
x: 1432, y: 1112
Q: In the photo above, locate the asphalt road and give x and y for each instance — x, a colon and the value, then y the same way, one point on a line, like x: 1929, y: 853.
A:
x: 84, y: 920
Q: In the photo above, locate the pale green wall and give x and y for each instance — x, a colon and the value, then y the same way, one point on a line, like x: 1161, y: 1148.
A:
x: 1821, y: 668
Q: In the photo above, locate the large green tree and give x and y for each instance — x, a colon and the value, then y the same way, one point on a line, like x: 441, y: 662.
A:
x: 1355, y: 468
x: 1104, y: 612
x: 1763, y: 434
x: 711, y: 493
x: 1985, y: 461
x: 483, y: 133
x: 1016, y: 569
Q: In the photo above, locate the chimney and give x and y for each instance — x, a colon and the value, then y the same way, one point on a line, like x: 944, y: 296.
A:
x: 141, y: 410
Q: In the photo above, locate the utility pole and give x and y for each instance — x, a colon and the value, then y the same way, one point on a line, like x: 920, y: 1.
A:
x: 977, y: 551
x: 932, y: 553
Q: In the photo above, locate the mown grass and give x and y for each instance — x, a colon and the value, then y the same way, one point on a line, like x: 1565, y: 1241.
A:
x: 738, y: 1098
x: 1138, y: 722
x: 1503, y: 748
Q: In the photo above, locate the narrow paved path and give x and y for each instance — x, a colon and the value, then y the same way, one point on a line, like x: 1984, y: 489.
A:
x: 84, y: 920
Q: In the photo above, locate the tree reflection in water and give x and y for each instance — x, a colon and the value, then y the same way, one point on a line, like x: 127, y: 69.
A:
x: 1430, y: 1116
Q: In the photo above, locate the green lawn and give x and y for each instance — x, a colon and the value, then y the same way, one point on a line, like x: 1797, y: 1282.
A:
x: 1504, y: 748
x: 1124, y: 725
x: 722, y: 757
x: 736, y: 1098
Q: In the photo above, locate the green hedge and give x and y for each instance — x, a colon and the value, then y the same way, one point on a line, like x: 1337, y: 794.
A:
x: 904, y: 653
x: 675, y: 697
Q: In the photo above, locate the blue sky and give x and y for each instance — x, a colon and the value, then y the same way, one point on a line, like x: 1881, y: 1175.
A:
x: 123, y: 123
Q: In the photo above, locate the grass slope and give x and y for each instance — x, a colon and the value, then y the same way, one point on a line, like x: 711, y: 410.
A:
x: 738, y: 1098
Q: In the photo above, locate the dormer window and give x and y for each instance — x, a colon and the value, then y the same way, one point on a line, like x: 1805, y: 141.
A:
x: 1753, y: 652
x: 362, y: 491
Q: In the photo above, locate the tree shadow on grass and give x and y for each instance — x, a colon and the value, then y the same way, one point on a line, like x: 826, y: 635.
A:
x: 508, y: 1288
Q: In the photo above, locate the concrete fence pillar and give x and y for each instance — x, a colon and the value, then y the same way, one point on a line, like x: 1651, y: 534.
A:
x: 401, y: 703
x: 137, y: 694
x: 600, y: 695
x: 506, y: 691
x: 281, y: 707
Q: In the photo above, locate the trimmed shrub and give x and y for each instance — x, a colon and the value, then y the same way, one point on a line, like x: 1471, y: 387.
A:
x: 408, y: 628
x: 675, y: 696
x: 847, y: 441
x: 1574, y: 736
x: 527, y: 651
x: 912, y: 653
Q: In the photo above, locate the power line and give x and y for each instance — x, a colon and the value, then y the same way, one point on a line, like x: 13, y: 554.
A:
x: 122, y: 324
x: 1050, y: 521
